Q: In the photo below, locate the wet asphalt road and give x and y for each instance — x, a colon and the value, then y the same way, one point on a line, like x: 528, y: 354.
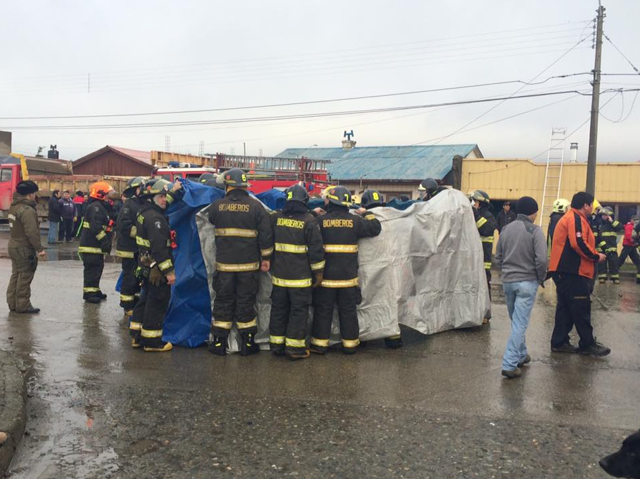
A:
x: 436, y: 409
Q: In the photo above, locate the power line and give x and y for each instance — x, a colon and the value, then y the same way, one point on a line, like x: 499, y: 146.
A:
x: 623, y: 55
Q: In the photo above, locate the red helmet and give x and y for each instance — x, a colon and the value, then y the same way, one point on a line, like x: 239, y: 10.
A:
x: 100, y: 190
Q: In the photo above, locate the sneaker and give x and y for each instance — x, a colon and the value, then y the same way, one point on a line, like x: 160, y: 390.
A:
x: 565, y: 348
x: 248, y: 345
x: 161, y: 349
x: 596, y: 349
x: 301, y: 355
x: 526, y: 360
x: 516, y: 373
x: 218, y: 346
x: 393, y: 342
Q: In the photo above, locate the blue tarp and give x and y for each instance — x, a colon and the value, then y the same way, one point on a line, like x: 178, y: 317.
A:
x: 274, y: 199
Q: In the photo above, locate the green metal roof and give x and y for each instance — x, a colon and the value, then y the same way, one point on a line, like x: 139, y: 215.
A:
x: 386, y: 162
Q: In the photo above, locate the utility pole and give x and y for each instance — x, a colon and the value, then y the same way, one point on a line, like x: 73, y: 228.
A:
x: 595, y: 107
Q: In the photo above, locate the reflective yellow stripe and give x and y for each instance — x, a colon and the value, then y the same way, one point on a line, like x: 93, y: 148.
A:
x: 611, y: 250
x: 86, y: 224
x: 350, y: 343
x: 481, y: 222
x: 90, y: 249
x: 341, y: 248
x: 243, y: 233
x: 135, y: 326
x: 250, y: 324
x: 487, y: 266
x: 609, y: 233
x: 222, y: 324
x: 602, y: 243
x: 170, y: 199
x: 125, y: 254
x: 90, y: 290
x: 165, y: 265
x: 291, y: 248
x: 395, y: 336
x: 324, y: 343
x: 276, y: 339
x: 101, y: 235
x: 296, y: 343
x: 266, y: 252
x: 317, y: 266
x: 339, y: 283
x: 133, y: 232
x: 151, y: 333
x: 140, y: 218
x: 369, y: 217
x: 127, y: 297
x: 140, y: 241
x: 291, y: 283
x: 237, y: 268
x: 487, y: 239
x: 615, y: 223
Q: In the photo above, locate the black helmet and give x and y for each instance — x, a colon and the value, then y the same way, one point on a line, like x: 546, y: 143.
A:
x: 339, y: 195
x: 159, y: 187
x: 429, y: 185
x: 204, y: 177
x: 214, y: 183
x: 132, y: 184
x: 235, y: 177
x: 297, y: 193
x: 371, y: 199
x: 145, y: 186
x: 481, y: 196
x: 607, y: 210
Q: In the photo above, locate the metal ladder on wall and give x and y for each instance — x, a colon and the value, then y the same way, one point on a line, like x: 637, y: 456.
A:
x: 552, y: 175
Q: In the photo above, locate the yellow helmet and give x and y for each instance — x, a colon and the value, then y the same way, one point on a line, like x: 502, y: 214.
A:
x: 561, y: 205
x: 596, y: 206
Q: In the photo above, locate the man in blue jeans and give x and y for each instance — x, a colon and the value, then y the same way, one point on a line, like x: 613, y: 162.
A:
x: 522, y: 256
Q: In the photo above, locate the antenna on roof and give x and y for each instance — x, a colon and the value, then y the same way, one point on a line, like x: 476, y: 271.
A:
x: 348, y: 144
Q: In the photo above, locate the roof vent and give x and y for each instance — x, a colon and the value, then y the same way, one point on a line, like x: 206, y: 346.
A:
x: 53, y: 153
x: 348, y: 144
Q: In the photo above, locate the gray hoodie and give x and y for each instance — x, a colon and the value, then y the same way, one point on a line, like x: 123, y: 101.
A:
x: 522, y: 252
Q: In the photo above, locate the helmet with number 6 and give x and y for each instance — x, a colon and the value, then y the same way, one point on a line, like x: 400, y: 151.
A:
x: 297, y: 193
x: 371, y: 199
x: 235, y: 177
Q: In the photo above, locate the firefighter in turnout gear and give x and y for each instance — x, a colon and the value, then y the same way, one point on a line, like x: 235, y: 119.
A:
x: 607, y: 231
x: 486, y: 223
x: 341, y: 231
x: 560, y: 207
x: 154, y: 238
x: 126, y: 247
x: 244, y: 245
x: 297, y: 265
x: 428, y: 189
x: 95, y: 239
x: 24, y: 247
x: 373, y: 199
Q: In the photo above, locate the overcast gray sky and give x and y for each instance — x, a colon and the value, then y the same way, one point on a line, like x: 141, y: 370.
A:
x: 161, y: 56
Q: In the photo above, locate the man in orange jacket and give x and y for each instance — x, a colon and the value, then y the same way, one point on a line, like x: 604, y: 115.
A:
x: 572, y: 267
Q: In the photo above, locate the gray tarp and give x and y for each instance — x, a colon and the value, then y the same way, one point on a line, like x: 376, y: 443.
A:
x: 425, y: 271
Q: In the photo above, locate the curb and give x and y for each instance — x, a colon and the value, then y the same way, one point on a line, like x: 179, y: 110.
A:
x: 13, y: 401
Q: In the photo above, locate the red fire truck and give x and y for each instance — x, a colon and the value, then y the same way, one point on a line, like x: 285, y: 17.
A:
x: 264, y: 173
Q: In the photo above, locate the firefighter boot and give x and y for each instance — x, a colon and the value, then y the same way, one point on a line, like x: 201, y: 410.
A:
x: 393, y: 342
x: 158, y: 349
x: 101, y: 295
x: 277, y: 349
x: 218, y: 346
x: 299, y: 355
x: 637, y: 278
x: 92, y: 298
x: 248, y: 345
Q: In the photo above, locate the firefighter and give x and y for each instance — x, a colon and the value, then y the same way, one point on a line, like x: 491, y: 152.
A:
x: 428, y: 189
x: 341, y: 231
x: 95, y: 239
x: 560, y: 207
x: 24, y: 247
x: 154, y: 240
x: 486, y: 224
x: 607, y: 232
x: 297, y: 265
x: 244, y: 245
x: 126, y: 247
x: 373, y: 199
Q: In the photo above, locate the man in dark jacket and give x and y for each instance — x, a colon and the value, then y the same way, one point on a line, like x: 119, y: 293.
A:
x: 341, y: 231
x: 506, y: 216
x: 244, y: 245
x: 486, y: 224
x: 95, y: 240
x: 68, y: 216
x: 297, y: 259
x: 607, y: 233
x: 24, y: 247
x: 54, y: 217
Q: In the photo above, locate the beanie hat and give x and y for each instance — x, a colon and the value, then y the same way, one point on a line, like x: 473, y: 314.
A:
x: 27, y: 187
x: 526, y: 206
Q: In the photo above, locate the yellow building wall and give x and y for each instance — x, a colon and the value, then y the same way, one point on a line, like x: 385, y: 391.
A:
x: 511, y: 179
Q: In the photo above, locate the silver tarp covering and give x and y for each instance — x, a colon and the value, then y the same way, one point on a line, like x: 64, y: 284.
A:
x: 425, y: 271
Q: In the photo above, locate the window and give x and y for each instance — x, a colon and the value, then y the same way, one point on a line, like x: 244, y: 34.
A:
x: 5, y: 174
x: 193, y: 176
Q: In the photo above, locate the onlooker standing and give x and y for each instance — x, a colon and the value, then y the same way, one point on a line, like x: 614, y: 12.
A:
x: 522, y: 256
x: 68, y: 215
x: 506, y: 216
x: 24, y: 247
x: 54, y: 217
x: 78, y: 200
x: 630, y: 246
x: 573, y: 267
